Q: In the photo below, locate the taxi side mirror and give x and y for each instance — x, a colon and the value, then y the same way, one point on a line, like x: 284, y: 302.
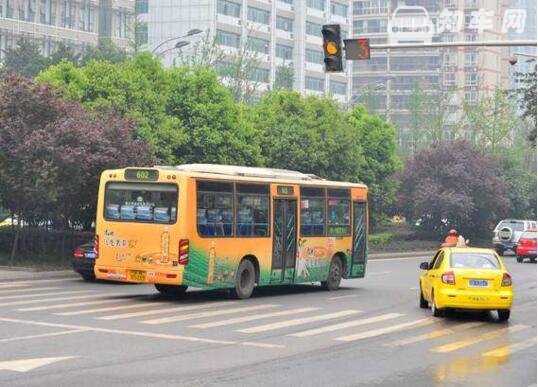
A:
x: 424, y: 266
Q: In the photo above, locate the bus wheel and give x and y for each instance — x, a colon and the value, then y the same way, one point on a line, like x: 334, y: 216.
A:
x: 244, y: 279
x: 335, y: 275
x: 171, y: 290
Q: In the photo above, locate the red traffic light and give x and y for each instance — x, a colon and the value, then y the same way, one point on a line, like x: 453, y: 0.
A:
x: 357, y: 49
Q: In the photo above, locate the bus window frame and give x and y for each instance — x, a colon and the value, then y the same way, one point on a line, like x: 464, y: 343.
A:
x: 349, y: 199
x: 234, y: 207
x: 324, y: 197
x: 106, y: 219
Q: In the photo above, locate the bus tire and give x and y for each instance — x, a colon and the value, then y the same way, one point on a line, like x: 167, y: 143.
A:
x: 334, y: 277
x: 171, y: 290
x: 244, y: 280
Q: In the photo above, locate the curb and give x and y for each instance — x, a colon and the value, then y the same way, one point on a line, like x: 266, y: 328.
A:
x: 396, y: 254
x: 10, y: 274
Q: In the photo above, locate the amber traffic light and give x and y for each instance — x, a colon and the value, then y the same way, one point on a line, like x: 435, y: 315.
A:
x: 332, y: 47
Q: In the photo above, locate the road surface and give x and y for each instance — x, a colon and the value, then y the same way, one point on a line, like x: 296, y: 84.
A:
x: 65, y: 332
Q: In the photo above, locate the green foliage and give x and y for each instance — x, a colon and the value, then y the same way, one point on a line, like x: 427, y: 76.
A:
x: 284, y: 77
x: 25, y: 58
x: 379, y: 239
x: 527, y: 95
x: 378, y: 141
x: 105, y: 50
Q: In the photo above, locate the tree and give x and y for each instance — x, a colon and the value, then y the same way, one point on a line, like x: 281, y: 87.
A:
x: 308, y: 134
x: 206, y: 52
x: 451, y: 184
x: 65, y: 53
x: 284, y: 77
x: 52, y: 153
x: 380, y: 161
x: 105, y: 50
x: 493, y: 121
x: 25, y: 58
x: 527, y: 100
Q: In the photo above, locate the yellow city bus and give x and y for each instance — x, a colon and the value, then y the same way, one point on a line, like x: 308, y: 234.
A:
x: 216, y: 226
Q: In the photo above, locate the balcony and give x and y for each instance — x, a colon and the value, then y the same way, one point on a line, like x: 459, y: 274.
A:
x: 317, y: 40
x: 337, y: 19
x: 318, y: 67
x: 284, y: 34
x: 284, y: 6
x: 227, y: 19
x: 313, y: 12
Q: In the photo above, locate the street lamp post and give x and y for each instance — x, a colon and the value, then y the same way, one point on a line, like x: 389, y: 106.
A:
x: 178, y: 45
x: 194, y: 31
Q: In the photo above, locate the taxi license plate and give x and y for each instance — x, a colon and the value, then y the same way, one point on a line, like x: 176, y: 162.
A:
x: 138, y: 275
x: 478, y: 283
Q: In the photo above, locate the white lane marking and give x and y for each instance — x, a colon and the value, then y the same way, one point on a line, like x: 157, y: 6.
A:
x: 254, y: 317
x: 2, y: 292
x: 32, y: 282
x: 5, y: 285
x: 68, y: 305
x: 414, y: 288
x: 165, y: 310
x: 213, y: 313
x: 45, y: 294
x: 340, y: 297
x: 29, y: 302
x: 68, y: 332
x: 109, y: 309
x: 456, y: 345
x: 261, y: 345
x: 298, y: 321
x: 434, y: 334
x: 140, y: 333
x: 383, y: 331
x: 347, y: 324
x: 397, y: 259
x: 511, y: 348
x: 25, y: 365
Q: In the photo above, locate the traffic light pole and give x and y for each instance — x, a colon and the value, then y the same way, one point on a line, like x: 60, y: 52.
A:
x: 485, y: 43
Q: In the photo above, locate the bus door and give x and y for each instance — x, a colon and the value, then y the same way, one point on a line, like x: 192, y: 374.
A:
x: 358, y: 262
x: 284, y: 240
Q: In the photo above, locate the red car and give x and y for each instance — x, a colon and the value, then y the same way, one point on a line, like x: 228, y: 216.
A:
x: 526, y: 246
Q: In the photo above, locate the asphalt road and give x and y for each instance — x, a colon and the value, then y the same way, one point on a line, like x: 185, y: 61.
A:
x: 65, y: 332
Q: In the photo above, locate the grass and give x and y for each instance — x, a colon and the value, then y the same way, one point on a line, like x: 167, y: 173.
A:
x: 37, y: 262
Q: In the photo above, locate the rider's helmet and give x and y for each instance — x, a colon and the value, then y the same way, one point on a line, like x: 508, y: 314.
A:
x: 453, y: 232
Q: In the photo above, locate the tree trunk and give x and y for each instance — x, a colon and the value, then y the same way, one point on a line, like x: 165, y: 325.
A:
x: 15, y: 245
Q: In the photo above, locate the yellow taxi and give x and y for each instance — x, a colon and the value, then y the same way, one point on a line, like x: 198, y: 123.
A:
x: 466, y: 278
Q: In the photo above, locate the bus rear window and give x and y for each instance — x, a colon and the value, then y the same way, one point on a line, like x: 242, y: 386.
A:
x: 141, y: 202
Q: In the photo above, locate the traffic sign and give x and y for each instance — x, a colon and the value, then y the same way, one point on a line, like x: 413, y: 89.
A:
x: 357, y: 49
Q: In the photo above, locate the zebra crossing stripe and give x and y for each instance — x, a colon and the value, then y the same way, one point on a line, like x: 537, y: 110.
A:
x: 298, y: 321
x: 347, y: 324
x: 511, y: 348
x: 383, y: 331
x: 434, y: 334
x: 213, y: 313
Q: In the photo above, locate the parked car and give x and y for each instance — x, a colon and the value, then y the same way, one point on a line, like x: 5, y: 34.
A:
x: 526, y: 246
x: 466, y: 278
x: 507, y: 233
x: 84, y: 261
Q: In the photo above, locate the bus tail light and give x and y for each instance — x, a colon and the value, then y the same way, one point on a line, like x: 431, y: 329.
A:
x: 449, y: 278
x: 507, y: 280
x: 96, y: 246
x: 184, y: 252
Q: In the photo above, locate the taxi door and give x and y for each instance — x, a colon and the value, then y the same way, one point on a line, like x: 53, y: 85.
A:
x: 432, y: 275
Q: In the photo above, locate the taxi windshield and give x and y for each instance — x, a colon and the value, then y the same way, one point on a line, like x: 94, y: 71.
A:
x: 474, y: 261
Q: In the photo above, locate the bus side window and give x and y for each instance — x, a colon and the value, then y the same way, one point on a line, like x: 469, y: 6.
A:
x: 252, y: 202
x: 214, y: 208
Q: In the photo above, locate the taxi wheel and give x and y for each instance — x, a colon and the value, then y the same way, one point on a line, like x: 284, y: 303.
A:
x: 435, y: 312
x: 422, y: 301
x: 171, y: 290
x: 335, y: 275
x: 504, y: 314
x: 244, y: 280
x: 519, y: 259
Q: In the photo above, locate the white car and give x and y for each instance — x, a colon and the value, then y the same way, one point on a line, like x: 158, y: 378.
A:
x: 507, y: 233
x: 410, y: 24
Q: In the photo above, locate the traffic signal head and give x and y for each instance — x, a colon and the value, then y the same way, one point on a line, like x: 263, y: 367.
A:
x: 332, y: 47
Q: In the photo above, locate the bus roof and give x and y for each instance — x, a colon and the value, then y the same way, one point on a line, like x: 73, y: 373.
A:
x: 262, y: 174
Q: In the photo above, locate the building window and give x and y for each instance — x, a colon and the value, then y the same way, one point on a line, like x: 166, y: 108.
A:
x: 313, y: 29
x: 312, y: 211
x: 141, y: 34
x: 228, y: 38
x: 252, y: 203
x: 258, y: 45
x: 259, y: 75
x: 258, y: 15
x: 68, y: 14
x: 471, y: 59
x: 141, y: 6
x: 214, y: 208
x: 121, y: 23
x: 369, y: 7
x: 314, y: 56
x: 283, y: 23
x: 316, y: 84
x: 471, y: 79
x: 470, y: 97
x: 338, y: 87
x: 339, y: 9
x: 317, y: 4
x: 449, y: 79
x: 287, y: 1
x: 229, y: 8
x: 370, y: 26
x: 284, y: 52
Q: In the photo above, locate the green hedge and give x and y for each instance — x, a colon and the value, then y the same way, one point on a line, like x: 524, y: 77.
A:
x: 380, y: 239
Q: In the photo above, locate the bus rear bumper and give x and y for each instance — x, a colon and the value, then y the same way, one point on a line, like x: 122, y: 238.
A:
x: 149, y: 276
